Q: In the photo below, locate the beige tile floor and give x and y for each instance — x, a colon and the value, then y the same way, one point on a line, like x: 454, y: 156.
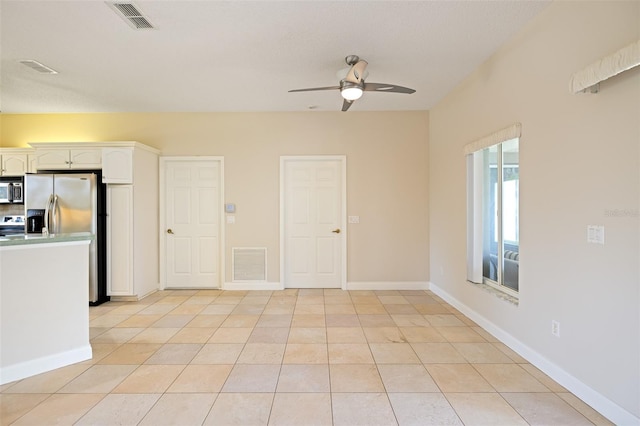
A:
x: 293, y: 357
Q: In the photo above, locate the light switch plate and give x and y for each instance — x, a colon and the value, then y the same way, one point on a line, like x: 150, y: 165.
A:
x: 595, y: 234
x: 231, y: 220
x: 354, y: 219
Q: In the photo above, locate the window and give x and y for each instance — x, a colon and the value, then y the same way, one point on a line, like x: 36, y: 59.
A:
x: 493, y: 219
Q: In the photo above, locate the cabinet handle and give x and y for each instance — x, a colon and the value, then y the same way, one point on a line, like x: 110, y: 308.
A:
x: 170, y: 231
x: 336, y: 231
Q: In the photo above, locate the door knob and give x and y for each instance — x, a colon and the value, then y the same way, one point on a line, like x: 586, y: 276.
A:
x: 169, y: 231
x: 336, y: 231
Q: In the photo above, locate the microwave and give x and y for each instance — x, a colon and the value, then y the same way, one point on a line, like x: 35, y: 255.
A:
x: 11, y: 191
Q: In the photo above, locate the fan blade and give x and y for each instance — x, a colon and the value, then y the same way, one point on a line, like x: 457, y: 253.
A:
x: 356, y: 72
x: 346, y: 104
x: 316, y: 88
x: 381, y: 87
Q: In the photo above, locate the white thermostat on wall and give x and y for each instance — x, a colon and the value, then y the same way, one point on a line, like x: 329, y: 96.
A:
x: 230, y: 208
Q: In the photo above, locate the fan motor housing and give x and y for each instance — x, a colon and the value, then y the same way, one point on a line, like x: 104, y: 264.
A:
x: 352, y: 59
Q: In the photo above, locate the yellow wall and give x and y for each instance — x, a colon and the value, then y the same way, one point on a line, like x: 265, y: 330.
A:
x: 386, y: 172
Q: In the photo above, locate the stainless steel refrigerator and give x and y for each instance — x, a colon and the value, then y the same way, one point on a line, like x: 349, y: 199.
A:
x: 70, y: 202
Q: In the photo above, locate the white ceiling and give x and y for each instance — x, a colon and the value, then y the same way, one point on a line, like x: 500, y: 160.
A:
x: 244, y: 55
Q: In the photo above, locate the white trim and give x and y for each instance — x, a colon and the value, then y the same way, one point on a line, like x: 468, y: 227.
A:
x: 343, y: 219
x: 124, y: 298
x: 352, y: 285
x: 387, y: 285
x: 253, y: 286
x: 599, y: 402
x: 622, y: 60
x: 136, y: 298
x: 502, y: 135
x: 106, y: 144
x: 162, y: 221
x: 502, y: 288
x: 474, y: 218
x: 32, y: 367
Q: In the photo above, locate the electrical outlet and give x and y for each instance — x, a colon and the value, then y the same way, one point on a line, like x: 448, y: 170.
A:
x: 555, y: 328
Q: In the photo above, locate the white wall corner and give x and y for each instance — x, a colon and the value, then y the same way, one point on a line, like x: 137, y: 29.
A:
x: 599, y: 402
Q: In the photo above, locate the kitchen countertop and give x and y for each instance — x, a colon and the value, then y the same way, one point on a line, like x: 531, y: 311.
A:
x: 32, y: 239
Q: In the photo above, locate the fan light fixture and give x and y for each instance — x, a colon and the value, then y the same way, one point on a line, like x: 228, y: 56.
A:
x: 352, y: 83
x: 351, y: 93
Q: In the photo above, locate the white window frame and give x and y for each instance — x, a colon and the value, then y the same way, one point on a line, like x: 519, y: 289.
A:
x: 475, y: 206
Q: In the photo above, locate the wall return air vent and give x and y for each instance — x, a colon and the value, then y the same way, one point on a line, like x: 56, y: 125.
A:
x: 249, y: 264
x: 131, y: 15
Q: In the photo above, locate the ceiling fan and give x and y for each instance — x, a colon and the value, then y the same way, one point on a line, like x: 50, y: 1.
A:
x: 352, y: 83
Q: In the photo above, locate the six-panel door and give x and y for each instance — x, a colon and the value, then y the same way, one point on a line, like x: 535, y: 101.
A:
x: 192, y: 195
x: 312, y: 223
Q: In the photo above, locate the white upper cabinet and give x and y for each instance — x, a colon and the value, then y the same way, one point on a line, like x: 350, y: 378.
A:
x: 117, y: 165
x: 116, y: 159
x: 52, y: 159
x: 85, y: 158
x: 14, y: 164
x: 60, y: 159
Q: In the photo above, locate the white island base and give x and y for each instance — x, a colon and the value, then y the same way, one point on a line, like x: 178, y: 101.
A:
x: 44, y: 304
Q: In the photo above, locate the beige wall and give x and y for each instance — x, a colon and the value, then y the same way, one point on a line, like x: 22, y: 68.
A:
x: 386, y: 172
x: 579, y: 159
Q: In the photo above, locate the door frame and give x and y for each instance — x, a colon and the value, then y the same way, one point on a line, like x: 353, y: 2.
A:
x: 162, y: 199
x: 343, y: 214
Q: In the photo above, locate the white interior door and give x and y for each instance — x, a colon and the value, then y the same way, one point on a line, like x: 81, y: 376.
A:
x: 192, y: 194
x: 313, y: 211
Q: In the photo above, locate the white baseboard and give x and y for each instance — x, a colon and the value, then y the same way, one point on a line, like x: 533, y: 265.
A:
x: 252, y: 286
x: 388, y: 285
x: 124, y: 298
x: 599, y: 402
x: 353, y: 285
x: 137, y: 298
x: 32, y: 367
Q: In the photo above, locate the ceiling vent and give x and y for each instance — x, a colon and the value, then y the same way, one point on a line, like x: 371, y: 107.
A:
x: 37, y: 66
x: 131, y: 15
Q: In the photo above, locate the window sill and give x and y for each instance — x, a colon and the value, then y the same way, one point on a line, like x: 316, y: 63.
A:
x: 497, y: 293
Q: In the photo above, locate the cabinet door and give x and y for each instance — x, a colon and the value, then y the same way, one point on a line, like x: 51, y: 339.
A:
x: 90, y: 158
x: 117, y: 165
x: 14, y: 164
x: 120, y: 240
x: 52, y: 159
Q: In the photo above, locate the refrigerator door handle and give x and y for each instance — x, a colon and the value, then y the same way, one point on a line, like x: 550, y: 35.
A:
x: 54, y: 215
x: 46, y: 213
